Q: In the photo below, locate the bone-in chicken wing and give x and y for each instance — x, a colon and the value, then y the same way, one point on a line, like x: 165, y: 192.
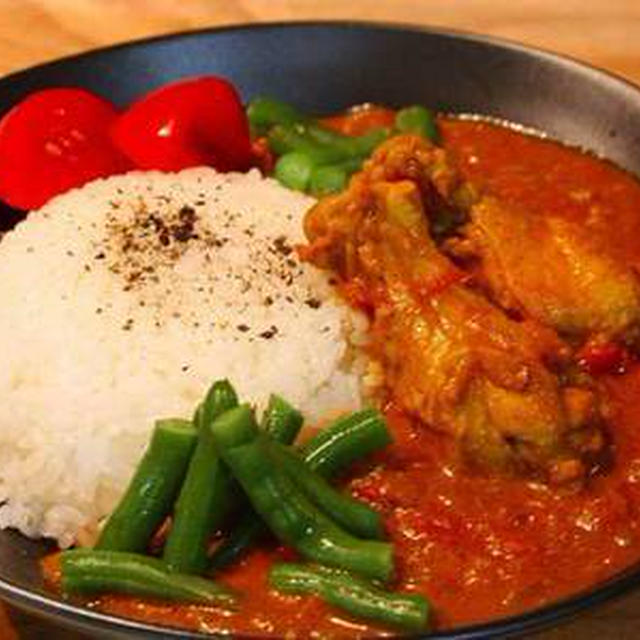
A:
x: 449, y: 356
x: 544, y: 267
x: 550, y: 269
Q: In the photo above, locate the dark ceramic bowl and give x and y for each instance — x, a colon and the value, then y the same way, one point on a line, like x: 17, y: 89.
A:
x: 324, y: 67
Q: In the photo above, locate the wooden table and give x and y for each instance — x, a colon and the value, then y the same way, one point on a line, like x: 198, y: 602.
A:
x: 605, y: 33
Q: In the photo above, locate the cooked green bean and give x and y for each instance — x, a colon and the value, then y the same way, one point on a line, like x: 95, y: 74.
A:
x: 234, y: 428
x: 283, y: 423
x: 205, y: 497
x: 350, y: 146
x: 354, y: 516
x: 290, y: 515
x: 283, y: 139
x: 419, y: 120
x: 352, y: 436
x: 220, y: 397
x: 264, y: 112
x: 354, y: 595
x: 330, y: 452
x: 153, y: 488
x: 249, y: 529
x: 87, y: 571
x: 326, y: 180
x: 293, y: 170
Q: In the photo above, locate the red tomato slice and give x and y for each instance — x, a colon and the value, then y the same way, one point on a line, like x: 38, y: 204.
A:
x: 52, y: 141
x: 197, y: 121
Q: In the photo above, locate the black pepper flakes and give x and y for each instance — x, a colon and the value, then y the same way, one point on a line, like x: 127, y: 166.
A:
x: 269, y: 333
x: 281, y: 246
x: 313, y: 303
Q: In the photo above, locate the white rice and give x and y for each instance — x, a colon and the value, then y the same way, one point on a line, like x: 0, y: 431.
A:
x: 119, y: 306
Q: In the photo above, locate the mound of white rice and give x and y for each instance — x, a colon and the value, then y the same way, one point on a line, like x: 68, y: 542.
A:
x: 122, y: 301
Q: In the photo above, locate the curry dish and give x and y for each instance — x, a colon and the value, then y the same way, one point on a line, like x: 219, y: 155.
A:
x: 498, y: 271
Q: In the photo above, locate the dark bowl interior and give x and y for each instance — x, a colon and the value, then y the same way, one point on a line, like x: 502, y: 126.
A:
x: 324, y: 67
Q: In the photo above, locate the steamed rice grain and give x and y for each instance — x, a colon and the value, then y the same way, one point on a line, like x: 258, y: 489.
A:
x: 122, y: 301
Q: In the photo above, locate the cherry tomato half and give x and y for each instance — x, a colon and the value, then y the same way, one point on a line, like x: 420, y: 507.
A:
x: 197, y: 121
x: 52, y: 141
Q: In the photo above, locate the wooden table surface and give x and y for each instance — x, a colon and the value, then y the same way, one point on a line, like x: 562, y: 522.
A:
x: 605, y: 33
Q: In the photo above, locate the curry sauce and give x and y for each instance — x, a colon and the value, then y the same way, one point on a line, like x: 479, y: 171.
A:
x: 479, y: 546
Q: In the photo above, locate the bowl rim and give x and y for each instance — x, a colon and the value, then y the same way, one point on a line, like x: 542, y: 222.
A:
x: 381, y: 25
x: 91, y: 620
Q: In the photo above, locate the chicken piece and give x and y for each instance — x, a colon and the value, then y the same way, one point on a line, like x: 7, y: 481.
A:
x: 449, y: 356
x: 552, y: 270
x: 546, y: 268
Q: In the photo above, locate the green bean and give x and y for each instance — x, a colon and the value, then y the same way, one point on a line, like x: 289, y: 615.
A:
x: 332, y: 450
x: 349, y: 165
x: 153, y: 488
x: 290, y: 515
x: 249, y: 529
x: 350, y: 146
x: 354, y: 595
x: 283, y: 139
x: 220, y: 397
x: 326, y: 180
x: 282, y: 423
x: 293, y: 170
x: 352, y: 436
x: 264, y: 112
x: 354, y: 516
x: 205, y: 498
x: 234, y: 428
x: 87, y: 571
x: 419, y: 120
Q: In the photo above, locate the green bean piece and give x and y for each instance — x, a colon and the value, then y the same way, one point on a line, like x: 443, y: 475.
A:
x: 282, y: 423
x: 419, y: 120
x: 87, y: 571
x: 249, y: 529
x: 152, y: 490
x: 354, y: 516
x: 220, y: 397
x: 293, y: 170
x: 326, y: 180
x: 264, y: 112
x: 234, y: 428
x: 349, y: 146
x: 355, y: 596
x: 351, y: 437
x: 206, y: 495
x: 293, y: 518
x: 285, y: 139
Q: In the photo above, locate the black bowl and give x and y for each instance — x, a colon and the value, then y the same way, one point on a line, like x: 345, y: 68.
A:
x: 324, y: 67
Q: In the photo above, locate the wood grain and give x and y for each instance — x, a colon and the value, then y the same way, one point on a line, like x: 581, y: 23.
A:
x: 605, y: 33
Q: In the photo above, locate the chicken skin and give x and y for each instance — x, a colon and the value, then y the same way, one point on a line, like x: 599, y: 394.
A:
x: 545, y: 268
x: 550, y: 269
x: 449, y: 356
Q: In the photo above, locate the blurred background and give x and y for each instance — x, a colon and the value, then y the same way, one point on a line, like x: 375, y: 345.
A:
x: 605, y: 33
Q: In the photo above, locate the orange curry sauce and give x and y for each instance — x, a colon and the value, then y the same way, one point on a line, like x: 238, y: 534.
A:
x: 479, y: 547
